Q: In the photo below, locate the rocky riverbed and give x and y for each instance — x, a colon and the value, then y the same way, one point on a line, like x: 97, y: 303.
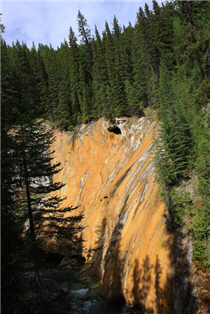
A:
x: 68, y: 291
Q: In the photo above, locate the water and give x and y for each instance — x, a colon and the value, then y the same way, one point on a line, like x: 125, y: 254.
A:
x: 83, y: 297
x: 74, y: 293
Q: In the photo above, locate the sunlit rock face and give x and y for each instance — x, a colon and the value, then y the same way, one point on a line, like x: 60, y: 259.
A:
x: 111, y: 176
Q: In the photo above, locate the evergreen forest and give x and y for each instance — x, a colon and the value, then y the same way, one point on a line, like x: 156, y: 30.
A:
x: 162, y: 62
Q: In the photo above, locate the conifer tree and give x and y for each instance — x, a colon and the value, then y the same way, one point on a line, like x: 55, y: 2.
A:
x: 41, y: 80
x: 12, y: 284
x: 53, y: 82
x: 64, y: 111
x: 177, y: 131
x: 100, y: 75
x: 117, y: 87
x: 24, y: 84
x: 140, y: 63
x: 84, y: 30
x: 86, y: 64
x: 200, y: 223
x: 117, y: 46
x: 110, y: 60
x: 8, y: 93
x: 150, y: 43
x: 127, y: 46
x: 76, y: 93
x: 174, y: 146
x: 35, y: 170
x: 193, y: 49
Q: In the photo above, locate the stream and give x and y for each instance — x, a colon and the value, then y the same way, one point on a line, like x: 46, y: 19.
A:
x: 70, y: 291
x: 82, y: 295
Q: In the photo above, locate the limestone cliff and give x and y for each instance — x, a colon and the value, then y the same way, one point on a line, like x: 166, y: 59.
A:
x: 111, y: 176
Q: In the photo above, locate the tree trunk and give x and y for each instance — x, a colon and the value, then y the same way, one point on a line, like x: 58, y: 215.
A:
x: 31, y: 222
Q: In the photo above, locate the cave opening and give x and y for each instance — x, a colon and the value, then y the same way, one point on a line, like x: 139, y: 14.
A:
x: 114, y: 129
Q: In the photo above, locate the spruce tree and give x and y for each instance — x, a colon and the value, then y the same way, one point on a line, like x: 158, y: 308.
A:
x: 41, y: 80
x: 100, y: 75
x: 174, y: 147
x: 110, y: 60
x: 86, y: 64
x: 117, y: 87
x: 12, y: 246
x: 127, y: 46
x: 200, y: 222
x: 24, y: 84
x: 140, y: 63
x: 64, y: 111
x: 193, y: 49
x: 84, y: 30
x: 35, y: 170
x: 76, y: 92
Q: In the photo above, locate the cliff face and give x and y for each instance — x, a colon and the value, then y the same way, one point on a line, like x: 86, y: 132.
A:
x: 111, y: 177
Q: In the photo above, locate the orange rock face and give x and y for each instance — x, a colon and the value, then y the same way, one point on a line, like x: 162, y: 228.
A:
x: 111, y: 177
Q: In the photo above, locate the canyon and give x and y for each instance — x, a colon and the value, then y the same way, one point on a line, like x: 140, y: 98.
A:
x: 108, y: 171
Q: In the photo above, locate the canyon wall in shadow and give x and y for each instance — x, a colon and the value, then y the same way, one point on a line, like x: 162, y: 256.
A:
x: 111, y: 176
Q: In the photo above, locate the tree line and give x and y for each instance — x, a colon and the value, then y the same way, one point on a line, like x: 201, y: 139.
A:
x: 113, y: 74
x: 162, y: 62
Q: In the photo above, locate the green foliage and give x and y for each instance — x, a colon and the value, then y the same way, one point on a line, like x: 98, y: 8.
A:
x: 140, y: 62
x: 161, y: 62
x: 27, y: 186
x: 183, y: 145
x: 70, y: 127
x: 12, y: 246
x: 178, y: 202
x: 36, y: 168
x: 200, y: 228
x: 200, y: 224
x: 84, y: 30
x: 100, y: 76
x: 175, y: 138
x: 207, y: 263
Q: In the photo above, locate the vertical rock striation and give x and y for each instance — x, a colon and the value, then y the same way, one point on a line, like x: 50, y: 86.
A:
x: 111, y: 177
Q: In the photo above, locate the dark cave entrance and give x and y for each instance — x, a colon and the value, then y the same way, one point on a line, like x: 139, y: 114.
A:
x: 114, y: 129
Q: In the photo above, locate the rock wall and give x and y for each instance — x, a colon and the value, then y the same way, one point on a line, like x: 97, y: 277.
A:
x: 111, y: 177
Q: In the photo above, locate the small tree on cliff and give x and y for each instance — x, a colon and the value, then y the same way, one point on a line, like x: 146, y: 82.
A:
x: 40, y: 204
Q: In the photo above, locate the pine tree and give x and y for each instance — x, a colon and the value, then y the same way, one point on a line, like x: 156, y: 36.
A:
x: 64, y: 111
x: 193, y: 49
x: 8, y: 93
x: 174, y: 147
x: 35, y: 170
x: 53, y: 83
x: 84, y: 30
x: 86, y: 64
x: 117, y: 87
x: 117, y: 46
x: 152, y: 50
x: 24, y: 84
x: 100, y: 75
x: 127, y: 46
x: 162, y: 29
x: 200, y: 222
x: 140, y: 63
x: 12, y: 283
x: 110, y: 60
x: 76, y: 92
x: 41, y: 80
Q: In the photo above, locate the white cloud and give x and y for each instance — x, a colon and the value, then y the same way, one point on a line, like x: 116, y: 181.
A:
x: 49, y: 21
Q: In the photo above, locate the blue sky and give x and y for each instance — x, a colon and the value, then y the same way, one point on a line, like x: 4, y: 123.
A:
x: 46, y: 22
